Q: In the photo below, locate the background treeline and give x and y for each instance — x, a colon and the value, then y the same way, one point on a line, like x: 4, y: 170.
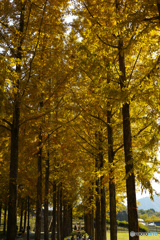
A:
x: 149, y: 215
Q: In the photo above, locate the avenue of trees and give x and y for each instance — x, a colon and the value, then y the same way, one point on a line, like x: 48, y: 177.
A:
x: 79, y: 110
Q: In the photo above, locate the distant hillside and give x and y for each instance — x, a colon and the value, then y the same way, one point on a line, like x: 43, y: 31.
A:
x: 146, y: 203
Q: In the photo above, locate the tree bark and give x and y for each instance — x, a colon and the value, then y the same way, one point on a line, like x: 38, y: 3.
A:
x: 100, y: 221
x: 98, y: 215
x: 158, y: 7
x: 39, y: 191
x: 4, y: 221
x: 92, y: 224
x: 103, y: 213
x: 70, y: 217
x: 25, y: 217
x: 98, y: 189
x: 58, y: 214
x: 113, y: 222
x: 12, y: 206
x: 86, y: 222
x: 67, y: 220
x: 89, y: 223
x: 112, y: 192
x: 61, y: 213
x: 46, y: 236
x: 89, y: 215
x: 28, y: 225
x: 0, y: 212
x: 21, y: 219
x: 103, y: 194
x: 54, y: 212
x: 70, y: 214
x: 127, y: 139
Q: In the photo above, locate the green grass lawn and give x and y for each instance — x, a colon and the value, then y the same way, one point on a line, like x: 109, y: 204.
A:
x: 125, y: 236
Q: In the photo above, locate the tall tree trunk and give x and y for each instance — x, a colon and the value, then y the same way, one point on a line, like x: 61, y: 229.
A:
x: 58, y: 214
x: 12, y: 205
x: 70, y: 217
x: 86, y: 221
x: 103, y: 213
x: 54, y: 212
x: 89, y: 222
x: 39, y: 190
x: 25, y: 217
x: 127, y: 139
x: 103, y: 195
x: 28, y: 225
x: 100, y: 230
x: 70, y: 214
x: 98, y: 198
x: 89, y: 215
x: 46, y: 199
x: 98, y: 215
x: 158, y: 7
x: 113, y: 222
x: 21, y: 219
x: 61, y: 213
x: 92, y: 223
x: 65, y: 220
x: 112, y: 192
x: 67, y: 228
x: 0, y: 213
x: 4, y: 221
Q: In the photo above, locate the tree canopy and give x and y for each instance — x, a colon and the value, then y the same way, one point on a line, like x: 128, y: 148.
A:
x: 83, y: 95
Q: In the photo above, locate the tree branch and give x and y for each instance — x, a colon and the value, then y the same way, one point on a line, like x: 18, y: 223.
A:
x: 41, y: 115
x: 92, y: 15
x: 98, y: 119
x: 4, y: 120
x: 84, y: 139
x: 109, y: 45
x: 135, y: 64
x: 86, y: 150
x: 152, y: 18
x: 36, y: 46
x: 5, y: 127
x: 141, y: 130
x: 49, y: 134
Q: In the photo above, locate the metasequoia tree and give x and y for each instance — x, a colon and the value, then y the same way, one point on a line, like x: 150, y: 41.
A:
x: 119, y: 34
x: 22, y: 29
x: 9, y: 40
x: 112, y: 191
x: 4, y: 166
x: 127, y: 136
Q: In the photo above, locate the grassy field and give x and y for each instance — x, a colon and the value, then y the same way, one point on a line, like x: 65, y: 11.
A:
x: 125, y: 236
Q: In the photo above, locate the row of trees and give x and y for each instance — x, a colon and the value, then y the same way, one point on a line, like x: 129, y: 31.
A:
x: 119, y: 58
x: 79, y: 108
